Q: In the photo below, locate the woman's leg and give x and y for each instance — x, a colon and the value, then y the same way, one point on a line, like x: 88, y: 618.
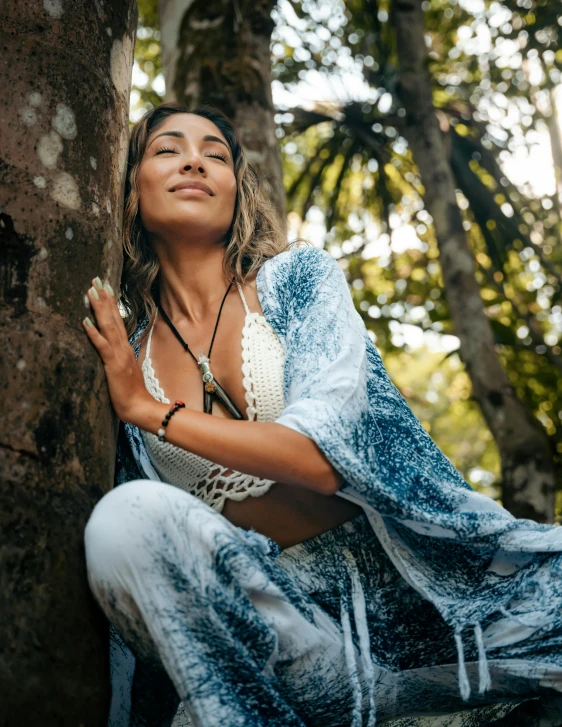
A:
x: 410, y: 640
x: 188, y: 590
x: 142, y: 694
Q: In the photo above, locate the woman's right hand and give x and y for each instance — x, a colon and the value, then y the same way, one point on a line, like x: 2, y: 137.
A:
x: 124, y: 376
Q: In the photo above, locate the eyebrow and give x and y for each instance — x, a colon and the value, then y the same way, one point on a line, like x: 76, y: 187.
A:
x: 181, y: 135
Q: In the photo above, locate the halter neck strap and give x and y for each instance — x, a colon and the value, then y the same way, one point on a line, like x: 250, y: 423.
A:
x: 243, y: 298
x: 149, y: 339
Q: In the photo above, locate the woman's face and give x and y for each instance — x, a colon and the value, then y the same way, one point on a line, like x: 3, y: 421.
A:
x: 186, y: 180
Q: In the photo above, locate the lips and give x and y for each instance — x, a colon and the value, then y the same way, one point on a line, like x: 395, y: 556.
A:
x: 193, y: 185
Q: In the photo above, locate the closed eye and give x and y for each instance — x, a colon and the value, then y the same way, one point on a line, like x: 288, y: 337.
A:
x: 166, y: 150
x: 218, y: 156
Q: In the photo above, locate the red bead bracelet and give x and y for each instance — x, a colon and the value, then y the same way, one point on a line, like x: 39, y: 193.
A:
x: 162, y: 431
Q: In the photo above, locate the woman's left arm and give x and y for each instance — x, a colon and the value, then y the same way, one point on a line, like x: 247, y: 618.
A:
x: 261, y: 449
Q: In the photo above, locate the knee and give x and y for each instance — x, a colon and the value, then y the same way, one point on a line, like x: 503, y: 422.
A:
x: 115, y: 537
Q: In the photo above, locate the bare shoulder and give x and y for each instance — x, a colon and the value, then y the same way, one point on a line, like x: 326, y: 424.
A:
x: 249, y: 289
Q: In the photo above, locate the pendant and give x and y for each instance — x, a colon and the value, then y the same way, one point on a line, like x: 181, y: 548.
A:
x: 205, y: 369
x: 211, y: 387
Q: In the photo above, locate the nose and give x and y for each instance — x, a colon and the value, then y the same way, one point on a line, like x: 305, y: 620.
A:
x: 199, y: 167
x: 193, y: 160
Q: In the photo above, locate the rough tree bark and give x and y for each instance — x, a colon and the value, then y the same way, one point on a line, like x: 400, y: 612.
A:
x: 217, y: 52
x: 63, y: 145
x: 528, y: 476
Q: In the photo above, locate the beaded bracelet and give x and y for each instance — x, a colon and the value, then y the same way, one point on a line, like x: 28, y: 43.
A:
x: 162, y: 431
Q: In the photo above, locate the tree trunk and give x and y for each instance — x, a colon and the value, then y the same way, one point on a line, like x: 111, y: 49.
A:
x: 528, y: 476
x: 63, y: 146
x: 553, y: 122
x: 218, y: 53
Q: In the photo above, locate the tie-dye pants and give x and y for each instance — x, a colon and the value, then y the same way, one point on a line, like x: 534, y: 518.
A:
x: 324, y: 634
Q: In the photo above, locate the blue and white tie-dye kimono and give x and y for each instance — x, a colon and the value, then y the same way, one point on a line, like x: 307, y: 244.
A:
x: 459, y: 549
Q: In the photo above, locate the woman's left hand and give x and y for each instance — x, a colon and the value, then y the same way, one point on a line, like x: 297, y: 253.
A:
x: 124, y: 376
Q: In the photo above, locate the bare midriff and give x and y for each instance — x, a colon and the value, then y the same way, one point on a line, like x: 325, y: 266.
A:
x: 290, y: 514
x: 286, y: 513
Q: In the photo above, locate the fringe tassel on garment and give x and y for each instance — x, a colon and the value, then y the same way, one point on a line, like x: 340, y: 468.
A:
x: 360, y: 618
x: 351, y: 664
x: 484, y: 679
x: 464, y: 684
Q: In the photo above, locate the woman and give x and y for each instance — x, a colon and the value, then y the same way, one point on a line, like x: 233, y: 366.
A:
x: 287, y: 545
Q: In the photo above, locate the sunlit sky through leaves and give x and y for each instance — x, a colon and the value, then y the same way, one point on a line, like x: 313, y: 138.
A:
x: 527, y: 161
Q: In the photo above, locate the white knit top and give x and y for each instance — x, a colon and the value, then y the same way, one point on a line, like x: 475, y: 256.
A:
x: 263, y: 359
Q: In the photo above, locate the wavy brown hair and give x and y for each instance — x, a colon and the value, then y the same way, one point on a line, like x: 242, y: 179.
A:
x: 256, y: 232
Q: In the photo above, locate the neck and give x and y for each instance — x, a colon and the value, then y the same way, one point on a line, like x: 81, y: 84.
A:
x: 192, y: 280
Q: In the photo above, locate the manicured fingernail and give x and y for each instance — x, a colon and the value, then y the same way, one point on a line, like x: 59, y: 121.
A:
x: 98, y: 283
x: 109, y: 289
x: 87, y: 301
x: 88, y: 322
x: 94, y: 293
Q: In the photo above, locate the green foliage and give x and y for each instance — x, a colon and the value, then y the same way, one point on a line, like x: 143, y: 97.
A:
x: 438, y: 390
x: 148, y: 92
x: 347, y: 157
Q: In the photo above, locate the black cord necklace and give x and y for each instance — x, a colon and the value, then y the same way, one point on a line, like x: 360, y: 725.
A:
x: 211, y: 387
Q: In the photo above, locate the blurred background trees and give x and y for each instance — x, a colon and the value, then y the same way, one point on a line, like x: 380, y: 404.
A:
x: 527, y: 467
x: 353, y: 186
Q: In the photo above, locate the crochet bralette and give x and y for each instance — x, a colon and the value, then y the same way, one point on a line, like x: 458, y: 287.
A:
x: 263, y: 359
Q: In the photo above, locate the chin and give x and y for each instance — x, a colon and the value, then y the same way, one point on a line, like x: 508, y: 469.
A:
x: 194, y: 226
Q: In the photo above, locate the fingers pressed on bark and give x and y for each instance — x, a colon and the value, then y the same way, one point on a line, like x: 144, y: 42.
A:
x: 95, y: 336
